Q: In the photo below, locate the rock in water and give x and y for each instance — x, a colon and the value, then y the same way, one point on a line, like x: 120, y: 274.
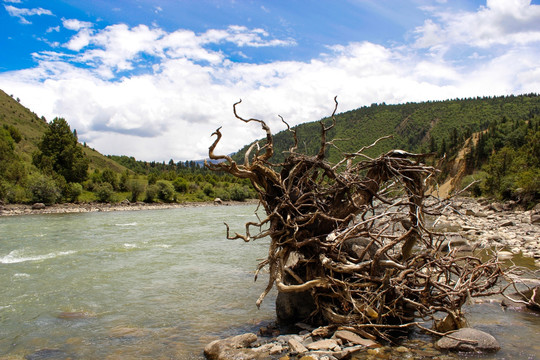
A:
x: 235, y: 347
x: 468, y: 340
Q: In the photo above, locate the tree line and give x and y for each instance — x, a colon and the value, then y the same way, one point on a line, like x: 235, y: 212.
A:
x: 59, y: 172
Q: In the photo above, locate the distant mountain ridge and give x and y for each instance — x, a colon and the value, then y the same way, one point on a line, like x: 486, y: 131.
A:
x: 469, y: 137
x: 420, y: 127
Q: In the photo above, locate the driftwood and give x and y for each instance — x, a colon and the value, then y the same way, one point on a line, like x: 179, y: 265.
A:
x: 354, y: 236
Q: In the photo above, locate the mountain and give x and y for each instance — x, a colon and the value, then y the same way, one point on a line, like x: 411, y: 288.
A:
x: 417, y: 127
x: 466, y: 136
x: 492, y: 139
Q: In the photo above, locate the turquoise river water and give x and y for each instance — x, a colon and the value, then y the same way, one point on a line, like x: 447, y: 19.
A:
x: 156, y: 284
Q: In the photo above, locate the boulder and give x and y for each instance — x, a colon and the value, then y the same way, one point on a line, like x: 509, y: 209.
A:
x: 496, y: 207
x: 38, y: 206
x: 468, y: 340
x: 535, y: 219
x: 530, y: 296
x: 218, y: 201
x: 235, y: 347
x: 455, y: 241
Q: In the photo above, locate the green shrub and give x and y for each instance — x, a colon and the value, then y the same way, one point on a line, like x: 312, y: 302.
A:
x: 208, y: 190
x: 180, y: 184
x: 165, y: 191
x: 110, y: 176
x: 239, y: 192
x: 73, y: 191
x: 44, y: 189
x: 104, y: 192
x: 136, y: 187
x: 151, y: 193
x: 223, y: 194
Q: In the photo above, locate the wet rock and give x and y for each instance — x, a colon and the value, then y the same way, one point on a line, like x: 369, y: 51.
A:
x: 128, y: 332
x: 352, y: 338
x: 235, y: 347
x: 531, y: 297
x: 296, y: 347
x: 504, y: 255
x: 73, y: 315
x: 47, y: 354
x: 446, y: 226
x: 455, y: 242
x: 496, y: 207
x: 402, y: 349
x: 468, y: 340
x: 325, y: 344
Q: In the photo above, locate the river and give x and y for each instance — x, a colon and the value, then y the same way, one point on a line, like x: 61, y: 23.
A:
x: 155, y: 284
x: 140, y: 284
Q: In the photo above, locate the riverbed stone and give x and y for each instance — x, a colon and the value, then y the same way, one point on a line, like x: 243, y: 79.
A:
x: 350, y: 337
x: 38, y: 206
x: 234, y: 347
x: 468, y: 340
x: 530, y: 296
x: 325, y: 344
x: 46, y: 354
x: 504, y: 255
x: 296, y: 347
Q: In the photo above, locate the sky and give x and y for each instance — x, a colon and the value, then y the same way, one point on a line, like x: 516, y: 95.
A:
x: 154, y: 79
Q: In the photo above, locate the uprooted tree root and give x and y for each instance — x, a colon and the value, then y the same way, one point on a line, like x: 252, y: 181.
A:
x: 354, y: 235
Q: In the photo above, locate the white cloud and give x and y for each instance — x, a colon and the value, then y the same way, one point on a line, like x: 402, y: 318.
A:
x: 500, y: 22
x: 170, y: 109
x: 76, y: 25
x: 22, y: 13
x: 242, y: 36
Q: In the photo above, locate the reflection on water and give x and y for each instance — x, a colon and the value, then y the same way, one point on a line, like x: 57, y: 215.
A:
x: 154, y: 285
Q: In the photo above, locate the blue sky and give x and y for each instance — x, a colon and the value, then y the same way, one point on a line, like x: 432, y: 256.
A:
x: 153, y: 79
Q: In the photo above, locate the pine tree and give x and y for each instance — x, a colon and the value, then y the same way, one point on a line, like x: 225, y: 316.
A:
x: 59, y: 153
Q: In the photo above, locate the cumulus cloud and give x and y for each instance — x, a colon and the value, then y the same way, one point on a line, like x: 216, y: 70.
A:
x: 22, y: 13
x: 76, y: 25
x: 119, y: 104
x: 500, y: 22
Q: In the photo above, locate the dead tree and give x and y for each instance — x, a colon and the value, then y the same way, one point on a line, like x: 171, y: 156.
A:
x: 353, y: 235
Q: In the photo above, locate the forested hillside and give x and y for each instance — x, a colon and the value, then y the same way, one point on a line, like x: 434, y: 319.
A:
x: 505, y: 123
x: 491, y: 140
x: 43, y: 161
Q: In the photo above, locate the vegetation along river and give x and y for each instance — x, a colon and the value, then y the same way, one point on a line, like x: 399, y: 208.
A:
x: 156, y: 284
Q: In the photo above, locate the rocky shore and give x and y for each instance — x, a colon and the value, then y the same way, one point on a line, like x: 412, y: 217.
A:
x: 505, y: 228
x: 39, y: 208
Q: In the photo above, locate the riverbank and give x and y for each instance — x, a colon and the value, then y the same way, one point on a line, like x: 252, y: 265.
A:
x: 67, y: 208
x: 503, y: 229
